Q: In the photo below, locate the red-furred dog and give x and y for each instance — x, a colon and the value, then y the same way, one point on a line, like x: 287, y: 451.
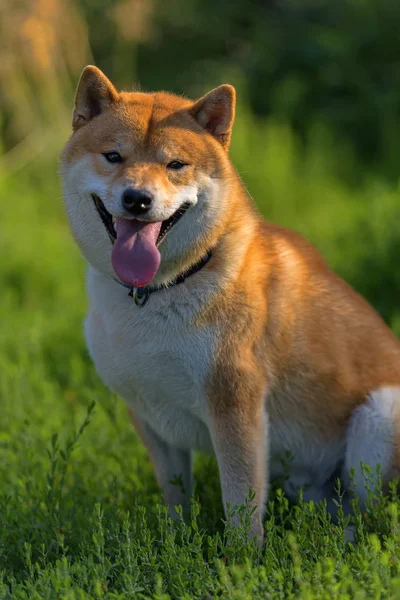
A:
x: 220, y: 331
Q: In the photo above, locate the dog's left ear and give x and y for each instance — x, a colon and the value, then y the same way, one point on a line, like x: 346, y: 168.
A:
x: 216, y: 112
x: 94, y: 93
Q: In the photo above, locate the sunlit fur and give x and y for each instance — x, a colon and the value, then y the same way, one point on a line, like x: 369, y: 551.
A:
x: 149, y: 131
x: 264, y: 351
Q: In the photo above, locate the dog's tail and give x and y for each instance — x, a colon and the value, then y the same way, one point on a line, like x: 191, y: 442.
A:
x: 373, y: 439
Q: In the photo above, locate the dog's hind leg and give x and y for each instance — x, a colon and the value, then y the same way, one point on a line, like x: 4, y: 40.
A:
x: 372, y: 440
x: 173, y: 467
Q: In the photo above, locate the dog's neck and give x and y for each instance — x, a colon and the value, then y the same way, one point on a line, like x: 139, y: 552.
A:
x: 141, y: 295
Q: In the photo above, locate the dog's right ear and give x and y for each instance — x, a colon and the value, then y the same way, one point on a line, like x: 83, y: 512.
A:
x: 94, y: 93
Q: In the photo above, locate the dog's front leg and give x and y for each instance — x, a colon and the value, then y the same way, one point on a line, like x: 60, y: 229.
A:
x: 173, y: 467
x: 239, y: 429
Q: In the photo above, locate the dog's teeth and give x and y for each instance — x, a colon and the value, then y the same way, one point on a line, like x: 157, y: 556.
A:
x: 114, y: 220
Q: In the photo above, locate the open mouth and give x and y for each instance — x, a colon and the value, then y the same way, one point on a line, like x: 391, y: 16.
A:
x: 109, y: 221
x: 105, y: 216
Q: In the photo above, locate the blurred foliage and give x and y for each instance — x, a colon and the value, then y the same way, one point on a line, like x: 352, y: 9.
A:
x: 306, y: 62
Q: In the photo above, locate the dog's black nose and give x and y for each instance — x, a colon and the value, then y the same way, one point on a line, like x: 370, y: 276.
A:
x: 137, y: 202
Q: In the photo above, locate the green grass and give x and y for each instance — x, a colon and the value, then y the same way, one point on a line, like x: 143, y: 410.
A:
x: 80, y: 512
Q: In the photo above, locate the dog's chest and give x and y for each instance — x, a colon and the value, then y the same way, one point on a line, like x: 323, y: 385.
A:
x: 156, y: 359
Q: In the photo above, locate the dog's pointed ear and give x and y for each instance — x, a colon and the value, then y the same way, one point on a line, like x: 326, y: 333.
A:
x: 94, y: 93
x: 216, y: 112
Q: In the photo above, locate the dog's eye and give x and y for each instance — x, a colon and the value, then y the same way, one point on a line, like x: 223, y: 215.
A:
x: 113, y: 157
x: 176, y: 165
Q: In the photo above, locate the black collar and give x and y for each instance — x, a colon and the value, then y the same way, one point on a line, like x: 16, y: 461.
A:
x: 141, y: 294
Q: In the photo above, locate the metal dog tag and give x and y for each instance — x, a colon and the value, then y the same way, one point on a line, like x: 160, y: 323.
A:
x: 140, y: 295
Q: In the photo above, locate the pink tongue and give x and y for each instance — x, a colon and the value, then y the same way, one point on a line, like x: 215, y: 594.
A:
x: 135, y: 257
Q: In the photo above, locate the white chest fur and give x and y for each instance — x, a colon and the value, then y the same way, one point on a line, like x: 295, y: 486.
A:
x: 154, y: 356
x: 159, y: 361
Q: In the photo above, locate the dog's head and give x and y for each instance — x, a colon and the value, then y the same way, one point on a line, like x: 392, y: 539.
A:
x: 146, y: 177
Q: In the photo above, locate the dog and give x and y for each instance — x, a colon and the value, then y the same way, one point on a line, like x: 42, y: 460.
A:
x: 222, y: 332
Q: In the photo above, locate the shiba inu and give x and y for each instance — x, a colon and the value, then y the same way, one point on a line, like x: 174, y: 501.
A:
x: 222, y: 332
